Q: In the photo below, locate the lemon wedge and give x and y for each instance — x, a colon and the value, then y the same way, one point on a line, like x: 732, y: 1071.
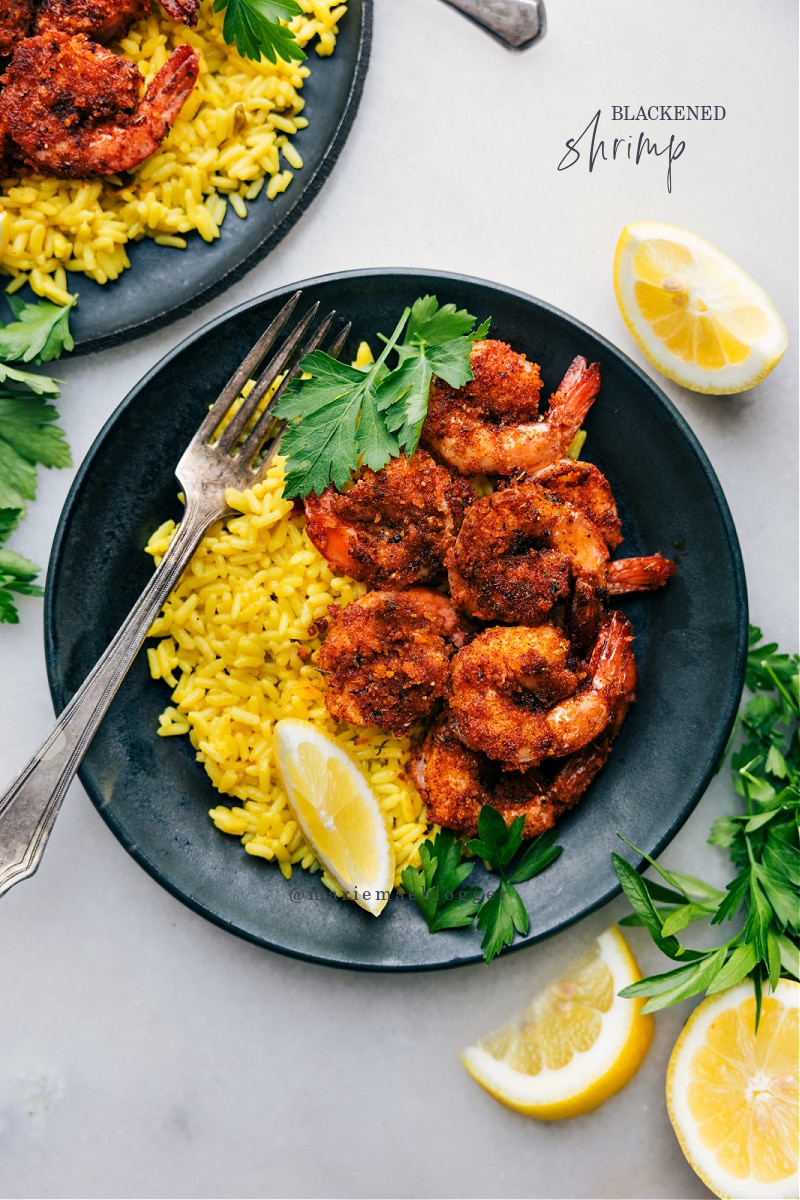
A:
x: 732, y: 1094
x: 337, y: 811
x: 577, y: 1043
x: 695, y: 314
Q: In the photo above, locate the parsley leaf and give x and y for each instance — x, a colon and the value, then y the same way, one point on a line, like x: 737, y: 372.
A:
x: 335, y: 422
x: 39, y: 334
x: 41, y: 385
x: 438, y: 886
x: 504, y: 914
x: 28, y: 437
x: 26, y: 426
x: 438, y: 341
x: 764, y: 846
x: 496, y: 920
x: 16, y: 575
x: 254, y: 27
x: 342, y: 418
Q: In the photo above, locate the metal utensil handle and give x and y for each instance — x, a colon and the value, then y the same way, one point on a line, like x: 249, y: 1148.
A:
x: 29, y: 807
x: 518, y: 23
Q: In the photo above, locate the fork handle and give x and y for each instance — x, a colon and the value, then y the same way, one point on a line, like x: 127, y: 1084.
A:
x: 517, y: 23
x: 29, y: 807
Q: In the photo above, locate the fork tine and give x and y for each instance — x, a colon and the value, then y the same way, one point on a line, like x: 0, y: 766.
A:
x: 339, y: 341
x: 258, y: 437
x: 245, y: 371
x: 232, y: 431
x: 250, y: 448
x: 263, y: 385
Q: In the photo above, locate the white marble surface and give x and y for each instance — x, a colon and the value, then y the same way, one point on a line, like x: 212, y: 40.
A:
x: 146, y: 1053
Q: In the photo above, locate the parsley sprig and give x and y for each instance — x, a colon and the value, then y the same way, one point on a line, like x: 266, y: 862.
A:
x: 39, y: 334
x: 28, y: 437
x: 438, y: 886
x: 764, y: 846
x: 342, y: 417
x: 255, y: 28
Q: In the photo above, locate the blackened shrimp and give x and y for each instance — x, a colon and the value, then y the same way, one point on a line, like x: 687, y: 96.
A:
x: 104, y: 20
x: 520, y: 549
x: 15, y: 22
x: 394, y: 527
x: 72, y: 107
x: 386, y: 658
x: 491, y: 425
x: 586, y: 487
x: 504, y: 681
x: 455, y: 782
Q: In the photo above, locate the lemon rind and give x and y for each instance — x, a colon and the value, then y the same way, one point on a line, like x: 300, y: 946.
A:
x: 788, y: 992
x: 553, y: 1094
x: 765, y: 353
x: 305, y: 731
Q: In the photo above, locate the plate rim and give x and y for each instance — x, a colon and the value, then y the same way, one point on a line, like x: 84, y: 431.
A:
x: 447, y: 278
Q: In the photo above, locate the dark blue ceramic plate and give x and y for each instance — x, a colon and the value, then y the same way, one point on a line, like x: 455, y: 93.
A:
x: 163, y: 284
x: 690, y: 644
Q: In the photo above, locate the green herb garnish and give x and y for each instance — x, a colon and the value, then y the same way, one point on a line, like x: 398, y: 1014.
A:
x: 764, y: 845
x: 342, y: 417
x: 28, y: 437
x: 438, y: 886
x: 39, y: 333
x: 254, y: 28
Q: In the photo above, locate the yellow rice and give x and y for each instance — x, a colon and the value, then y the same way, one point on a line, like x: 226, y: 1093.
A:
x: 233, y: 133
x: 237, y: 641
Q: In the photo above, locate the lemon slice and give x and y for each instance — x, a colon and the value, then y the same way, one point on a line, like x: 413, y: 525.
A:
x: 695, y: 314
x: 337, y: 810
x: 732, y: 1094
x: 576, y: 1044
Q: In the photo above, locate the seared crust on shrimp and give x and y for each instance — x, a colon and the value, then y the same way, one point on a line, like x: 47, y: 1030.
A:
x: 517, y: 552
x: 491, y: 425
x: 105, y: 20
x: 503, y: 682
x: 387, y: 657
x: 586, y: 487
x: 102, y: 20
x: 455, y: 782
x: 15, y: 22
x: 520, y: 549
x: 72, y: 107
x: 395, y: 526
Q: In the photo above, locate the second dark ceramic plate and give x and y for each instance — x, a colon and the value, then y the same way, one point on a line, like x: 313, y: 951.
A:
x: 690, y: 636
x: 163, y: 284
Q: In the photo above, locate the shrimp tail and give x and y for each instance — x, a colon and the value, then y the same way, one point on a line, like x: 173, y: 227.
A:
x: 585, y: 613
x: 613, y: 667
x: 170, y: 89
x: 576, y: 394
x: 578, y: 771
x: 643, y: 574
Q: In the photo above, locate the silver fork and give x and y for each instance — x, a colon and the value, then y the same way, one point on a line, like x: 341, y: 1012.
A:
x: 29, y: 807
x: 516, y: 23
